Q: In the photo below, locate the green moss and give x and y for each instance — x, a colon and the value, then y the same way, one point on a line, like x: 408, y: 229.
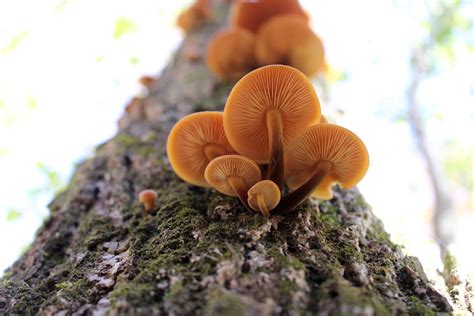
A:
x: 222, y: 302
x: 284, y: 261
x: 416, y: 307
x: 126, y: 140
x: 341, y: 291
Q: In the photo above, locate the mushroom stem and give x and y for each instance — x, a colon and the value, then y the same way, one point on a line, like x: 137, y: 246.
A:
x: 295, y: 198
x: 276, y: 168
x: 262, y: 206
x: 213, y: 151
x: 149, y: 206
x: 238, y: 185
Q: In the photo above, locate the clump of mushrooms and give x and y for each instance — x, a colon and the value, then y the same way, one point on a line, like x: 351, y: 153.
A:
x: 262, y: 33
x: 272, y: 117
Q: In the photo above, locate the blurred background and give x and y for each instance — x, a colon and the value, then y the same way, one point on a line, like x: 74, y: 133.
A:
x: 400, y: 76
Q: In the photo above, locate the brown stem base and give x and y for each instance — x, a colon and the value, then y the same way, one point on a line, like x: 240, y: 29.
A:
x: 238, y: 185
x: 295, y: 198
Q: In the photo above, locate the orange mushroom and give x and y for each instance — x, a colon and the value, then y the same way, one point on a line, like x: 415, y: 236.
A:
x: 251, y: 14
x: 233, y: 175
x: 194, y: 141
x: 265, y: 110
x: 148, y: 199
x: 264, y: 196
x: 320, y: 156
x: 194, y: 16
x: 323, y: 120
x: 230, y: 54
x: 287, y: 39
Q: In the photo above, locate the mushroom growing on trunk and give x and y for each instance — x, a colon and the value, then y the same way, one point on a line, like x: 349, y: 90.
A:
x: 251, y: 14
x: 264, y: 196
x: 233, y: 175
x: 287, y: 39
x: 265, y: 110
x: 320, y: 156
x: 230, y: 53
x: 194, y: 141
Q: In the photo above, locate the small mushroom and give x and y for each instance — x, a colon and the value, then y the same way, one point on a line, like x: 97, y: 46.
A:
x: 148, y: 199
x: 251, y: 14
x: 194, y: 16
x: 194, y: 141
x: 147, y: 81
x: 233, y: 175
x: 323, y: 120
x: 265, y: 110
x: 317, y: 158
x: 230, y: 53
x: 264, y: 196
x: 287, y: 39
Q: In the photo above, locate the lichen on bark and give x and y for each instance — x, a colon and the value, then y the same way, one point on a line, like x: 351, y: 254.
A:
x: 201, y: 252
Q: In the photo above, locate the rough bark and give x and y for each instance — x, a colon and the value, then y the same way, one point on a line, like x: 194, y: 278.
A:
x: 201, y: 252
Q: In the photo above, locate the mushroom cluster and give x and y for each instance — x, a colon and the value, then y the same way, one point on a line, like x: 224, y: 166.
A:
x: 262, y: 33
x: 271, y: 122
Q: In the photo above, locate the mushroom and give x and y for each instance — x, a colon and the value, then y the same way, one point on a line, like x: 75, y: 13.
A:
x: 320, y: 156
x: 287, y: 39
x: 194, y: 16
x: 264, y: 196
x: 265, y: 110
x: 251, y: 14
x: 230, y: 54
x: 194, y: 141
x: 148, y: 199
x: 233, y: 175
x: 323, y: 120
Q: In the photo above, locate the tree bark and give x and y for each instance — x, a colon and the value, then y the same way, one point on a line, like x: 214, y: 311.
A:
x: 201, y: 252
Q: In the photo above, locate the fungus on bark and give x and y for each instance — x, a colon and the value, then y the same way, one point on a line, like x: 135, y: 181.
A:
x: 230, y: 53
x: 194, y: 141
x: 194, y: 16
x: 264, y: 196
x: 252, y: 14
x: 148, y: 199
x: 320, y: 156
x: 265, y: 110
x: 233, y: 175
x: 287, y: 39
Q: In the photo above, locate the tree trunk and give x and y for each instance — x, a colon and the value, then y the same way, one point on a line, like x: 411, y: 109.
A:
x: 201, y: 252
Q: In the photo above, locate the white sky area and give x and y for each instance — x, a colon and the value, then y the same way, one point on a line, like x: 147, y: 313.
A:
x: 64, y: 86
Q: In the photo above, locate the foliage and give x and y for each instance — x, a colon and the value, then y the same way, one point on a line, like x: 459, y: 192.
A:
x: 124, y: 26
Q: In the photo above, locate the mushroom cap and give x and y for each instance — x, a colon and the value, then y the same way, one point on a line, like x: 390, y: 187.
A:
x: 252, y: 14
x: 270, y: 191
x: 230, y: 54
x: 329, y: 142
x: 187, y: 144
x: 323, y: 120
x: 195, y: 15
x: 223, y: 167
x: 308, y: 55
x: 274, y: 87
x: 287, y: 39
x: 147, y: 196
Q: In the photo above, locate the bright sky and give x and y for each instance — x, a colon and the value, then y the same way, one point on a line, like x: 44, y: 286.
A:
x: 68, y: 67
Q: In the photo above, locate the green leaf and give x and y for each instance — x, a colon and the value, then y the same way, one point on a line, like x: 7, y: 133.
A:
x: 54, y: 182
x: 13, y: 214
x: 14, y: 42
x: 124, y: 26
x: 31, y: 102
x: 134, y: 60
